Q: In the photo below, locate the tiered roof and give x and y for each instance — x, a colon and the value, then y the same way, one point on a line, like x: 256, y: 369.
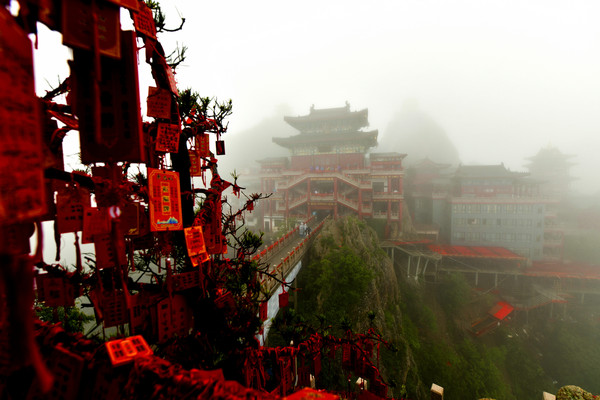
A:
x: 551, y: 165
x: 367, y: 139
x: 329, y: 119
x: 551, y: 155
x: 330, y: 125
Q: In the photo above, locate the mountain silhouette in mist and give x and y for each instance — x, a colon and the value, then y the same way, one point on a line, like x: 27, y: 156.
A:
x: 415, y: 133
x: 255, y: 143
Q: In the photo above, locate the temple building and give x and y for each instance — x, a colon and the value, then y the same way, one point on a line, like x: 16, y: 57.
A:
x: 330, y: 172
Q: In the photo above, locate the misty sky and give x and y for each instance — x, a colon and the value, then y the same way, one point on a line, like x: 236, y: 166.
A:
x: 502, y: 78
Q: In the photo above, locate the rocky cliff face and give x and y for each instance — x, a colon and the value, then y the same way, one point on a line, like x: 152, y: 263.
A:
x: 383, y: 290
x: 381, y: 297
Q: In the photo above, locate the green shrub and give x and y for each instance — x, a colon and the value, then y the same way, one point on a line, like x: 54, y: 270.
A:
x: 454, y: 293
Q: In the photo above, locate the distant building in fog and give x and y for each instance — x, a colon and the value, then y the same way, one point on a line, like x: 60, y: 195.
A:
x: 484, y: 205
x: 329, y: 172
x: 552, y: 169
x: 490, y: 205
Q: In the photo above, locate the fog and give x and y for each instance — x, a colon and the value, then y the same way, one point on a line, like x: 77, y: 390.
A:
x: 501, y: 79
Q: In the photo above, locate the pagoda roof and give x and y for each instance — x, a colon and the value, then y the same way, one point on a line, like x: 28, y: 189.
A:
x: 368, y: 139
x: 487, y: 171
x: 354, y: 120
x: 549, y: 152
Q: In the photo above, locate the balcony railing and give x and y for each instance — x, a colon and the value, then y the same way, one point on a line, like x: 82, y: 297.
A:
x: 321, y: 197
x: 388, y: 195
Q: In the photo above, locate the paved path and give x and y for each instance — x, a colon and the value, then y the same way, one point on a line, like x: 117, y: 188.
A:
x: 286, y: 252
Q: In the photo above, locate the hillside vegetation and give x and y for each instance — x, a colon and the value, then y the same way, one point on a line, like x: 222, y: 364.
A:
x: 348, y: 280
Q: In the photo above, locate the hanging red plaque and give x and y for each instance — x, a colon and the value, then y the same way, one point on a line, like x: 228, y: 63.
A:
x: 124, y: 351
x: 203, y: 145
x: 138, y: 311
x: 220, y: 147
x: 55, y: 291
x: 213, y: 235
x: 284, y: 299
x: 195, y: 163
x: 172, y: 316
x: 171, y: 78
x: 165, y: 202
x: 263, y: 311
x: 186, y: 280
x: 194, y: 239
x: 83, y: 20
x: 158, y: 103
x: 95, y: 222
x: 144, y: 22
x: 106, y: 254
x: 114, y: 308
x: 167, y: 137
x: 22, y: 189
x: 117, y: 104
x: 70, y: 204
